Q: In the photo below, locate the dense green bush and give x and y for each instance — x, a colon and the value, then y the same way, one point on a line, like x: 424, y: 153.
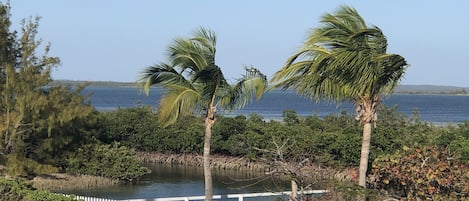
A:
x: 347, y: 146
x: 130, y: 126
x: 138, y: 128
x: 227, y: 134
x: 54, y: 150
x: 19, y: 190
x: 47, y: 154
x: 457, y: 140
x: 422, y: 173
x: 184, y: 137
x: 334, y: 139
x: 111, y: 160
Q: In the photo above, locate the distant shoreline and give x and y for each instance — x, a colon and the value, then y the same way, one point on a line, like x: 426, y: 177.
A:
x: 401, y: 89
x: 95, y: 83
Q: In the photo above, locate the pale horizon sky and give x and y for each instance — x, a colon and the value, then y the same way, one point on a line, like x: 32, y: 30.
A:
x: 115, y: 40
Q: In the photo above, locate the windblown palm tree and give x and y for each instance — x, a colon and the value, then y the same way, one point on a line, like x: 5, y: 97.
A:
x: 195, y: 85
x: 344, y: 59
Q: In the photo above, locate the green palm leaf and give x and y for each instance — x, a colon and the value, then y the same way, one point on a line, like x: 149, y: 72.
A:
x: 195, y: 84
x: 177, y: 101
x: 344, y: 59
x: 160, y: 75
x: 252, y: 85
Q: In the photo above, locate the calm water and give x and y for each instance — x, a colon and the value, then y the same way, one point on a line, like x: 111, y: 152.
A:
x: 432, y: 108
x: 179, y: 181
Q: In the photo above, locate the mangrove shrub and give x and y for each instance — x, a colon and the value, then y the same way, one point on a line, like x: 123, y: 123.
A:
x: 108, y: 160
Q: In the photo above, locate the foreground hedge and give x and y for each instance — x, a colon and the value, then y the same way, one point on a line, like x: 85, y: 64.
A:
x: 19, y: 190
x: 422, y: 173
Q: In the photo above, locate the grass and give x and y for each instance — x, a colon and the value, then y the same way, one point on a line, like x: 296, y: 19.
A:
x: 65, y: 181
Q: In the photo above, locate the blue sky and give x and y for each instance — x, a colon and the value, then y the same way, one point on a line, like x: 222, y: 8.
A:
x: 115, y: 40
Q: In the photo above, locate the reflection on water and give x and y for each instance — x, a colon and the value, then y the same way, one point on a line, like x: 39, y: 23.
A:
x: 177, y: 181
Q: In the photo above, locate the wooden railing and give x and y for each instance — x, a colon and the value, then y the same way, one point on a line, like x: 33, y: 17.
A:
x: 240, y: 197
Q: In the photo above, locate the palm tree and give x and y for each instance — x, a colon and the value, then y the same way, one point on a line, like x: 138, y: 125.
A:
x: 344, y: 59
x: 195, y: 85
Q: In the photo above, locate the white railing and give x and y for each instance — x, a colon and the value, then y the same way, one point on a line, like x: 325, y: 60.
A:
x: 240, y: 197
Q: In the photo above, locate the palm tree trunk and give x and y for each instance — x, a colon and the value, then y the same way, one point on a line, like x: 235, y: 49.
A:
x: 209, y: 121
x: 364, y: 154
x: 207, y: 171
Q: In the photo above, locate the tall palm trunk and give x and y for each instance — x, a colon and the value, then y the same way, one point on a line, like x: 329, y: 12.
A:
x: 366, y: 114
x: 209, y: 121
x: 364, y: 154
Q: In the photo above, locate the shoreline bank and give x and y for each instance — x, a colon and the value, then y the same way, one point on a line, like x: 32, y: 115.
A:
x: 216, y: 161
x: 308, y: 171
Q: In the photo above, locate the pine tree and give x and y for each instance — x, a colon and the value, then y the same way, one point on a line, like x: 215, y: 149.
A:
x: 31, y: 111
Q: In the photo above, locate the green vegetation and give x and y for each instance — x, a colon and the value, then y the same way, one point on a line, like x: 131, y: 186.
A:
x: 32, y: 114
x: 47, y: 127
x: 329, y: 141
x: 112, y: 161
x: 19, y: 190
x: 421, y: 173
x: 42, y: 125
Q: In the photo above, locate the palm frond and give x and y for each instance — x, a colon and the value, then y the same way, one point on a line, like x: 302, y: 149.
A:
x: 342, y: 59
x: 393, y: 69
x: 207, y: 39
x: 194, y: 83
x: 296, y: 65
x: 159, y: 75
x: 212, y: 81
x: 251, y: 86
x: 187, y: 55
x: 177, y: 101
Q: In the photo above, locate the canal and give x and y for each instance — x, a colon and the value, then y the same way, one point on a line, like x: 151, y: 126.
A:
x: 178, y: 181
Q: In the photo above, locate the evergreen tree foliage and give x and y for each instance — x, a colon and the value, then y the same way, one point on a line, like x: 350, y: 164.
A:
x: 32, y: 113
